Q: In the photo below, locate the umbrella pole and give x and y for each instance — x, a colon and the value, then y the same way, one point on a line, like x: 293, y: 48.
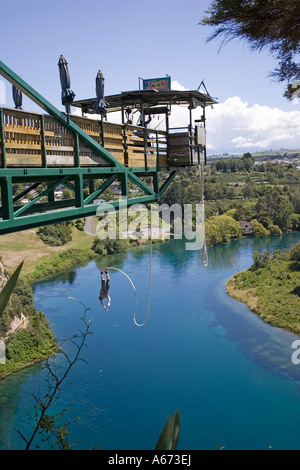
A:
x: 102, y: 131
x: 68, y: 113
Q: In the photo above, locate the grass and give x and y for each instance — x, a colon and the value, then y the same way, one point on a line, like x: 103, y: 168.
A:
x: 27, y: 246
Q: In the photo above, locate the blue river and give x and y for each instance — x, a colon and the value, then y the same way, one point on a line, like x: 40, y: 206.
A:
x: 202, y: 352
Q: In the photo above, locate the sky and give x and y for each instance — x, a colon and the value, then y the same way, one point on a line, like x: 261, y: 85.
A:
x: 131, y: 39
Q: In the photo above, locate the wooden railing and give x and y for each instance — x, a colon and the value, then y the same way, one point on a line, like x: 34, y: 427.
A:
x: 37, y: 140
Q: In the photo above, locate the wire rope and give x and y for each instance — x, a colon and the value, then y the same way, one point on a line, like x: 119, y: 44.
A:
x: 204, y: 249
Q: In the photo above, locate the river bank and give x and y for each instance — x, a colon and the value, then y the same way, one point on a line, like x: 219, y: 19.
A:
x: 42, y: 260
x: 270, y: 289
x: 28, y: 246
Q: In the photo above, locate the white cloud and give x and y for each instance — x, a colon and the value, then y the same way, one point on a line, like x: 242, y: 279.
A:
x: 234, y: 127
x: 176, y: 86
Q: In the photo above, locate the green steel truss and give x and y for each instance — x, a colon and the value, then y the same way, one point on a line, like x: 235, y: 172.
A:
x: 34, y: 213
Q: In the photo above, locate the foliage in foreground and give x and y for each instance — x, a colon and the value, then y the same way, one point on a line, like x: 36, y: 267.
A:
x: 271, y: 24
x: 29, y: 345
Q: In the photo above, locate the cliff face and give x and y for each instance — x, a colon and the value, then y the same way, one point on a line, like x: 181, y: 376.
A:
x: 3, y: 276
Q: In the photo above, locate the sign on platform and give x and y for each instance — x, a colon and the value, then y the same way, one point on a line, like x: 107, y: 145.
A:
x: 159, y: 84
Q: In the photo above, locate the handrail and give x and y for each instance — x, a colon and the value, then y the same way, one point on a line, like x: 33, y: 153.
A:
x: 68, y: 124
x: 35, y: 139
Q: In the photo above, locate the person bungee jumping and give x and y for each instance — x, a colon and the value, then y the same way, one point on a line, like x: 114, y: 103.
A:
x: 105, y: 285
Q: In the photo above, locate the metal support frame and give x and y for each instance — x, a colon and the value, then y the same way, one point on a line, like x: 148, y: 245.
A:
x: 15, y: 216
x: 35, y: 213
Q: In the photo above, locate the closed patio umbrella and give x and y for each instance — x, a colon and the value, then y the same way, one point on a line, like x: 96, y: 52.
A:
x: 67, y: 95
x: 100, y: 103
x: 17, y: 96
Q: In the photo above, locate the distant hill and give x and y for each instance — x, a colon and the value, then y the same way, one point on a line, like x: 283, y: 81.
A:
x: 266, y: 154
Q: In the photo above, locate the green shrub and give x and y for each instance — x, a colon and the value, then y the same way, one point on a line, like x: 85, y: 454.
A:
x: 56, y: 234
x: 79, y: 224
x: 258, y: 229
x: 260, y: 259
x: 220, y: 229
x: 295, y: 253
x: 108, y: 247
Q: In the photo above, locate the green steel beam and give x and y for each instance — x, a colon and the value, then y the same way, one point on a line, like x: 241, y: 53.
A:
x: 124, y: 185
x: 94, y: 172
x: 78, y: 190
x: 32, y: 221
x: 37, y: 198
x: 58, y: 211
x: 166, y: 183
x: 7, y: 198
x: 25, y: 191
x: 45, y: 206
x: 100, y: 190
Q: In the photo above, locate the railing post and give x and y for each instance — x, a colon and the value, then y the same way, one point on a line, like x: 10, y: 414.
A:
x: 146, y: 147
x: 156, y: 183
x: 125, y: 146
x: 124, y: 184
x: 50, y: 193
x: 76, y: 151
x: 78, y: 190
x: 3, y: 153
x: 102, y: 131
x: 43, y: 143
x: 157, y: 152
x: 7, y: 198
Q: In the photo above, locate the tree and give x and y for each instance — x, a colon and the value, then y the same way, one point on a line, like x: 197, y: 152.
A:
x: 67, y: 193
x: 260, y: 260
x: 220, y: 229
x: 283, y: 213
x: 296, y: 201
x: 56, y: 234
x: 248, y: 161
x: 174, y: 195
x: 295, y: 253
x: 258, y: 229
x: 271, y: 24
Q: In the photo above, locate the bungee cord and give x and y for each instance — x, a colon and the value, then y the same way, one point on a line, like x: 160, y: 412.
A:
x: 204, y: 256
x: 204, y: 249
x: 134, y: 289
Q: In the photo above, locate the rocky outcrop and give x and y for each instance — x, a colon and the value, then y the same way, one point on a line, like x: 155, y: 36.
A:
x: 19, y: 321
x: 3, y: 275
